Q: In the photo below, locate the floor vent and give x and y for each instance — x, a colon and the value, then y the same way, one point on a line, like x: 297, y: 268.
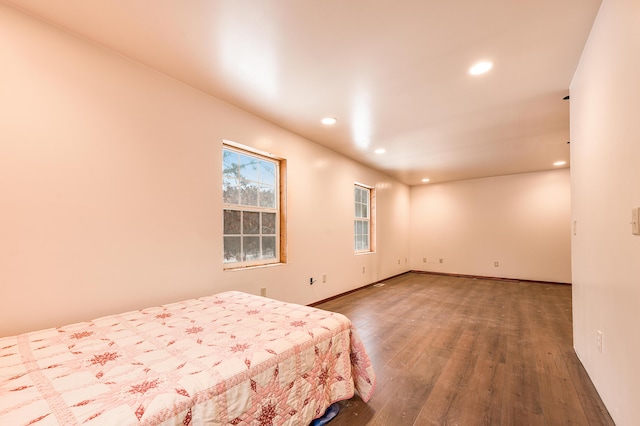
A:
x: 379, y: 285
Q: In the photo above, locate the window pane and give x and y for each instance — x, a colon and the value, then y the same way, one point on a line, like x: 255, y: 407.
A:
x: 268, y: 247
x: 365, y: 242
x: 250, y: 223
x: 267, y: 173
x: 232, y: 249
x: 231, y: 222
x: 251, y: 246
x: 360, y: 210
x: 249, y: 194
x: 229, y: 164
x: 268, y: 223
x: 249, y: 168
x: 267, y: 196
x: 230, y: 193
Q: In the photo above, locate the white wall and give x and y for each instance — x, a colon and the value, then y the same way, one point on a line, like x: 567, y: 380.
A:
x: 110, y: 190
x: 605, y: 179
x: 521, y: 221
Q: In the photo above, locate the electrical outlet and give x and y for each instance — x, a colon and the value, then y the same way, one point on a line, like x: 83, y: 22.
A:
x: 398, y: 261
x: 363, y: 269
x: 635, y: 221
x: 424, y: 260
x: 496, y: 264
x: 263, y: 291
x: 324, y: 278
x: 441, y: 260
x: 599, y: 340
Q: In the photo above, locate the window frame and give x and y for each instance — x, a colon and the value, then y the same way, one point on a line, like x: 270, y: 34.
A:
x: 279, y: 210
x: 369, y: 220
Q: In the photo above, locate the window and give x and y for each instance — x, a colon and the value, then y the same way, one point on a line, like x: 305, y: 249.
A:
x: 363, y: 221
x: 251, y: 204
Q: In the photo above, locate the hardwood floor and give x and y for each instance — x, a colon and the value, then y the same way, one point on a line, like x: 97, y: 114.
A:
x: 463, y: 351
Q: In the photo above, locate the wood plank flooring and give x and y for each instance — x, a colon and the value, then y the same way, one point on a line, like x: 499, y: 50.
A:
x: 463, y: 351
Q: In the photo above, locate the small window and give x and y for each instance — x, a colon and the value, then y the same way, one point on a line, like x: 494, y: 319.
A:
x: 363, y: 221
x: 251, y: 204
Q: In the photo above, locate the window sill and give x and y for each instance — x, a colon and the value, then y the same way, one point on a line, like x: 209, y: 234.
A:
x: 244, y: 268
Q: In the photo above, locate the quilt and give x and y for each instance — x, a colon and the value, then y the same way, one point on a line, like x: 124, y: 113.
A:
x: 227, y: 359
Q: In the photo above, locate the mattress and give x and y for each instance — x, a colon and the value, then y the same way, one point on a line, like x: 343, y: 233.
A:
x: 231, y: 358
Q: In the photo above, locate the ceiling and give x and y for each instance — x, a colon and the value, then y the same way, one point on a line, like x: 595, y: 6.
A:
x: 394, y: 73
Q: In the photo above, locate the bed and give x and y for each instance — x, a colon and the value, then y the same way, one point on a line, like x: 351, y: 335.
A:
x: 227, y: 359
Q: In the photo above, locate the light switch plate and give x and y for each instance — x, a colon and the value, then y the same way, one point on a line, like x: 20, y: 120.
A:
x: 635, y: 221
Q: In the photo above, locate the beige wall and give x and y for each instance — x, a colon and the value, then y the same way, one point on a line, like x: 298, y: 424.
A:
x: 605, y: 179
x: 110, y: 190
x: 521, y: 221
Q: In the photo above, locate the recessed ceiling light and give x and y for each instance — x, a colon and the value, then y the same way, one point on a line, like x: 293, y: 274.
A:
x: 425, y: 180
x: 329, y: 121
x: 380, y: 151
x: 480, y: 68
x: 559, y: 163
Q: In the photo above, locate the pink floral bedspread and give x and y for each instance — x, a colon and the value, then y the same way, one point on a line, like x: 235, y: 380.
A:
x: 231, y: 358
